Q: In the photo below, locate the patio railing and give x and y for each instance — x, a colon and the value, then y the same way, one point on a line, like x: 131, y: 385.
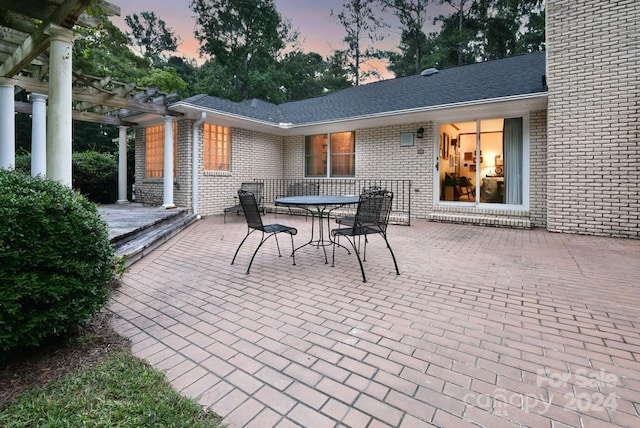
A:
x: 401, y: 211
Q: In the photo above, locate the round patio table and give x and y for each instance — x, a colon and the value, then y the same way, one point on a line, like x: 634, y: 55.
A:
x: 320, y: 207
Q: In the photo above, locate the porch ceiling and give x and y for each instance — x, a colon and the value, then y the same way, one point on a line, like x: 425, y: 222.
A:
x: 24, y: 60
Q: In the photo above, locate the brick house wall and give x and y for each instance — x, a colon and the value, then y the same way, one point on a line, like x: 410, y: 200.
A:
x: 379, y: 156
x: 538, y: 168
x: 147, y: 190
x: 593, y: 61
x: 183, y: 177
x: 253, y: 155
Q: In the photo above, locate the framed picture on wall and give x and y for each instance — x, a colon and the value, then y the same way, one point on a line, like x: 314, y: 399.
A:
x: 446, y: 143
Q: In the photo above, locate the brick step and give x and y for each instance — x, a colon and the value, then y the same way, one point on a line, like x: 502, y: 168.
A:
x: 515, y: 221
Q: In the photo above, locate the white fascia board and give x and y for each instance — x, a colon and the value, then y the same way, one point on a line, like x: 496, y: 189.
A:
x: 224, y: 118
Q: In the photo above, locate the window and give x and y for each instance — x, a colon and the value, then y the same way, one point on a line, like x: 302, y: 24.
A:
x: 217, y: 147
x: 330, y: 155
x: 155, y: 150
x: 482, y: 161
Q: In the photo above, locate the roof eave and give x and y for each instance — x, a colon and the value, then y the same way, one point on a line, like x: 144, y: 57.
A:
x: 513, y: 103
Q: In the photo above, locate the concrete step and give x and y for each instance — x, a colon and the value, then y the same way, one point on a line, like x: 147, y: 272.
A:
x: 140, y: 242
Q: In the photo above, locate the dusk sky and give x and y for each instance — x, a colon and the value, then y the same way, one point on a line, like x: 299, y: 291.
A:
x: 318, y: 30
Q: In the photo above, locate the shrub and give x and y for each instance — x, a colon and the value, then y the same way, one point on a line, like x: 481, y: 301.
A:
x: 56, y: 261
x: 23, y: 162
x: 95, y: 175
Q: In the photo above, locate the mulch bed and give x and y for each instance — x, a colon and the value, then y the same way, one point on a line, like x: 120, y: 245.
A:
x: 86, y: 347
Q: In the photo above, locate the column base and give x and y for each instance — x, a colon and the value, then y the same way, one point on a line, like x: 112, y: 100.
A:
x: 122, y: 201
x: 169, y: 206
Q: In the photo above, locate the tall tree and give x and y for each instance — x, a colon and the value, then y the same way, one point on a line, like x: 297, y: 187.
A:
x: 459, y: 29
x: 151, y: 36
x: 104, y: 51
x: 187, y: 70
x: 304, y: 72
x: 494, y: 28
x: 455, y: 43
x: 479, y: 30
x: 243, y: 37
x: 336, y: 77
x: 412, y: 15
x: 361, y: 24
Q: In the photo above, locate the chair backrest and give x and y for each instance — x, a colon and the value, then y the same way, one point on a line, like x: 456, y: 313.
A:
x: 372, y: 189
x: 374, y: 208
x: 304, y: 189
x: 255, y: 187
x: 250, y: 209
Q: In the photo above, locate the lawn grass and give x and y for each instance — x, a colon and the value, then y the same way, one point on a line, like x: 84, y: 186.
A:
x: 122, y: 391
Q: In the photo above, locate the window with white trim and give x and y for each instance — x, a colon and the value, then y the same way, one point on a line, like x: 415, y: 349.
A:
x: 330, y: 155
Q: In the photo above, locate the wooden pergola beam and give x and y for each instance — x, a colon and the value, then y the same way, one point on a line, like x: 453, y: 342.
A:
x: 25, y: 62
x: 98, y: 98
x: 65, y: 14
x: 27, y: 108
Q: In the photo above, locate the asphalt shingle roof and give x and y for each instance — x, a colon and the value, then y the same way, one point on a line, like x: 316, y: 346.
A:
x: 507, y: 77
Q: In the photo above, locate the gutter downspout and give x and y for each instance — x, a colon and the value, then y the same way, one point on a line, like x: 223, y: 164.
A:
x: 194, y: 165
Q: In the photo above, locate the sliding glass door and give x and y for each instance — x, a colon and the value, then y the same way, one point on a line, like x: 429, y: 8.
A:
x: 482, y: 161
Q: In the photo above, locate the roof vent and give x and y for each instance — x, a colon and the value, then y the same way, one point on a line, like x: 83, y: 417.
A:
x: 429, y: 71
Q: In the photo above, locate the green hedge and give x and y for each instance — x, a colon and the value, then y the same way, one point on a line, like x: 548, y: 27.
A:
x: 95, y: 175
x: 56, y: 261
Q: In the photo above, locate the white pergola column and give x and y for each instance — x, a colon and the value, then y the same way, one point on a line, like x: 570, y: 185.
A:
x: 59, y: 119
x: 122, y: 166
x: 7, y: 125
x: 168, y: 163
x: 38, y: 134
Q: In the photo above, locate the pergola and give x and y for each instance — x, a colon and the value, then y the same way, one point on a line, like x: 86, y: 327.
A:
x: 36, y: 41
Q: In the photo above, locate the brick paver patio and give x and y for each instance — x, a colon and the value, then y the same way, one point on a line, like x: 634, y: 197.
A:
x: 484, y: 327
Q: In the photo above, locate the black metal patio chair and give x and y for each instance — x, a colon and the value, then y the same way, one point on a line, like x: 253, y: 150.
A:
x: 348, y: 220
x: 255, y: 187
x: 372, y: 217
x: 254, y: 223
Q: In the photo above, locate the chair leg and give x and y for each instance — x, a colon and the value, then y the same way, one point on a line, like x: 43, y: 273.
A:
x: 355, y: 250
x: 353, y: 244
x: 293, y: 250
x: 262, y: 240
x: 277, y: 244
x: 392, y: 255
x: 333, y: 253
x: 238, y: 249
